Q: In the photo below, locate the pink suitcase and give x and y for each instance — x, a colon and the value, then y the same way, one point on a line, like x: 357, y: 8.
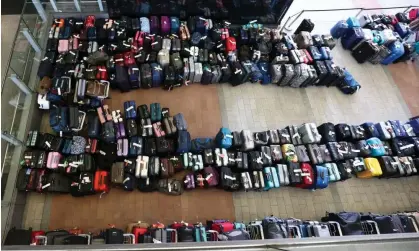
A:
x: 62, y: 46
x: 158, y: 130
x: 54, y: 159
x: 122, y: 145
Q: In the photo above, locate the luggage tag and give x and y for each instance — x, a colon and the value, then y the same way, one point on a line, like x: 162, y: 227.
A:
x: 45, y: 186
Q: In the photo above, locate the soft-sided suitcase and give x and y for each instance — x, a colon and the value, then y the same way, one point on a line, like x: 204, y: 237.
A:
x: 352, y: 37
x: 385, y: 130
x: 327, y: 132
x: 365, y: 51
x: 339, y: 29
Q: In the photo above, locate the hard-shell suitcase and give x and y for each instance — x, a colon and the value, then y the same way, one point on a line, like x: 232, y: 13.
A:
x: 385, y: 130
x: 294, y: 171
x: 255, y: 160
x: 221, y: 157
x: 269, y: 182
x: 303, y: 40
x: 276, y: 153
x: 289, y: 153
x: 396, y: 51
x: 309, y: 133
x: 295, y: 136
x: 365, y: 51
x: 117, y: 173
x: 321, y: 177
x: 246, y: 181
x: 266, y: 155
x: 301, y: 75
x: 315, y: 154
x: 242, y: 161
x: 334, y: 174
x: 305, y: 25
x: 327, y: 132
x: 276, y: 73
x: 284, y: 136
x: 373, y: 169
x: 283, y: 175
x: 288, y: 73
x: 247, y: 139
x: 141, y: 169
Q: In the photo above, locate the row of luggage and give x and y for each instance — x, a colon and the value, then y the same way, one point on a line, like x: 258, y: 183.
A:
x: 378, y: 38
x: 270, y: 227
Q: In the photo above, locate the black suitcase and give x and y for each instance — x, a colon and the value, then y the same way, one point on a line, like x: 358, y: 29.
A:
x: 237, y: 140
x: 389, y: 169
x: 238, y: 76
x: 343, y: 132
x: 225, y: 72
x: 206, y: 74
x: 331, y: 75
x: 266, y: 155
x: 132, y: 129
x: 242, y: 162
x: 58, y: 183
x: 334, y: 152
x: 364, y: 51
x: 305, y: 25
x: 114, y: 236
x: 284, y: 136
x: 345, y: 170
x: 23, y: 179
x: 255, y: 160
x: 18, y: 237
x: 327, y: 131
x: 294, y: 171
x: 150, y: 146
x: 321, y: 70
x: 208, y: 157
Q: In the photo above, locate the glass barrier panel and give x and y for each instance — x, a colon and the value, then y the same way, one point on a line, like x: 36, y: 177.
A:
x: 7, y: 151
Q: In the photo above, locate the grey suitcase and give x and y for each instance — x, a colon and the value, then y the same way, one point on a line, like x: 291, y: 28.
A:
x: 198, y: 73
x: 325, y: 154
x: 321, y: 230
x: 247, y: 139
x: 288, y: 73
x: 303, y: 40
x: 216, y: 74
x: 302, y: 154
x: 276, y: 73
x: 301, y: 71
x: 315, y: 154
x: 294, y: 57
x: 273, y: 137
x: 295, y: 136
x: 312, y: 76
x: 383, y: 53
x: 191, y: 70
x: 146, y: 127
x: 186, y: 71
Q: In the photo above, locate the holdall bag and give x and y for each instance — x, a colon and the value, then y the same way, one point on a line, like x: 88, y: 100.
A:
x: 224, y: 138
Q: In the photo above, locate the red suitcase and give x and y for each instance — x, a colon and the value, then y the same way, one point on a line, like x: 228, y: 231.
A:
x: 222, y: 227
x: 308, y: 176
x: 137, y: 232
x: 34, y: 238
x: 101, y: 182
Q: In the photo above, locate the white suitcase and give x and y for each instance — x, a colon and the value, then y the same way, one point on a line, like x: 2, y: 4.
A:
x: 364, y: 20
x: 166, y: 44
x: 187, y: 160
x: 198, y: 163
x: 246, y: 181
x: 309, y: 133
x: 191, y: 70
x: 283, y: 175
x: 163, y: 58
x: 321, y: 230
x: 221, y: 157
x: 141, y: 167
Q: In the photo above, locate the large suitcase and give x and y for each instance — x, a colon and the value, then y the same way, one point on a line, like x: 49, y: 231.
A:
x: 288, y: 74
x: 327, y: 132
x: 305, y: 25
x: 339, y: 29
x: 301, y: 75
x: 365, y: 51
x: 396, y: 51
x: 373, y: 169
x: 352, y: 37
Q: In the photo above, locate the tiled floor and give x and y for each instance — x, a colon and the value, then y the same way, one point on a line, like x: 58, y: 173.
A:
x: 259, y: 108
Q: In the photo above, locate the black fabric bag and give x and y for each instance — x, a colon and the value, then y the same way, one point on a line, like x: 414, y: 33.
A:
x: 18, y: 237
x: 350, y: 222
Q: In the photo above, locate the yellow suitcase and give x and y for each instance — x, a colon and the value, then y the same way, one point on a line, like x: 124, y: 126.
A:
x: 289, y: 153
x: 373, y: 169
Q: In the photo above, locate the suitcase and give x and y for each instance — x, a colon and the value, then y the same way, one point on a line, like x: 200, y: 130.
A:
x: 327, y: 132
x: 408, y: 165
x: 403, y: 147
x: 141, y: 169
x: 221, y: 157
x: 339, y: 29
x: 303, y: 40
x: 238, y: 74
x: 247, y: 139
x: 283, y: 175
x: 334, y: 174
x: 289, y: 153
x: 295, y: 136
x: 117, y: 173
x: 284, y: 136
x: 315, y: 154
x: 352, y: 37
x: 390, y: 166
x: 302, y: 153
x: 307, y: 175
x: 294, y: 171
x: 301, y: 75
x: 246, y: 181
x: 266, y: 155
x: 276, y: 73
x: 154, y: 167
x: 309, y: 133
x: 385, y: 130
x: 242, y: 161
x: 268, y: 176
x: 373, y: 169
x: 260, y: 138
x: 396, y: 51
x: 305, y: 25
x: 365, y: 51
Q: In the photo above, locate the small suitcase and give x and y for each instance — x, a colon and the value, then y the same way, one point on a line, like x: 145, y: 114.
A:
x: 305, y: 25
x: 339, y: 29
x: 352, y: 37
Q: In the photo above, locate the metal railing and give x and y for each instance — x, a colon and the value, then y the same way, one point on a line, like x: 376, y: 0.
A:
x: 291, y: 20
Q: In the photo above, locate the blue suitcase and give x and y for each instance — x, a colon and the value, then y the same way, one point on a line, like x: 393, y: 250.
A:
x: 370, y: 130
x: 352, y: 22
x: 325, y: 53
x: 402, y: 29
x: 398, y: 128
x: 376, y: 146
x: 156, y: 75
x: 239, y: 225
x: 397, y: 50
x: 352, y: 37
x: 200, y: 26
x: 174, y: 25
x: 414, y: 123
x: 349, y: 85
x: 269, y: 182
x: 135, y: 147
x: 322, y: 177
x: 145, y: 24
x: 58, y: 119
x: 275, y: 177
x: 180, y: 122
x: 200, y: 234
x: 134, y: 76
x: 224, y: 138
x: 264, y: 69
x: 339, y: 29
x: 155, y: 111
x: 255, y: 74
x: 130, y: 111
x: 183, y: 142
x: 315, y: 53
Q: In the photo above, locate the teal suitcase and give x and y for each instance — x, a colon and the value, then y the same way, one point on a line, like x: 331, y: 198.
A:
x: 155, y: 110
x: 269, y: 183
x: 275, y: 177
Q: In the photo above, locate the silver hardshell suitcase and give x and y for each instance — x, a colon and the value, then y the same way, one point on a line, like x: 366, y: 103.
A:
x: 186, y: 71
x: 198, y: 73
x: 191, y: 70
x: 276, y: 73
x: 301, y: 75
x: 304, y: 40
x: 288, y: 73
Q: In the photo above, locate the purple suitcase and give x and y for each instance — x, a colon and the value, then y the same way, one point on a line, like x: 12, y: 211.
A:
x: 122, y: 129
x: 154, y: 25
x: 189, y: 181
x: 165, y: 25
x: 352, y: 37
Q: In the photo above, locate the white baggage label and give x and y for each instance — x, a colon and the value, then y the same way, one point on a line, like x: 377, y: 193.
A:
x: 136, y: 144
x: 148, y: 126
x: 204, y: 37
x: 296, y: 135
x: 47, y: 143
x: 125, y: 180
x: 229, y: 177
x: 102, y: 152
x: 208, y: 177
x: 358, y: 163
x: 128, y: 161
x: 46, y: 185
x: 73, y: 165
x: 130, y: 108
x: 253, y: 21
x: 218, y: 46
x: 155, y: 43
x: 355, y: 151
x: 401, y: 148
x: 59, y: 91
x: 409, y: 129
